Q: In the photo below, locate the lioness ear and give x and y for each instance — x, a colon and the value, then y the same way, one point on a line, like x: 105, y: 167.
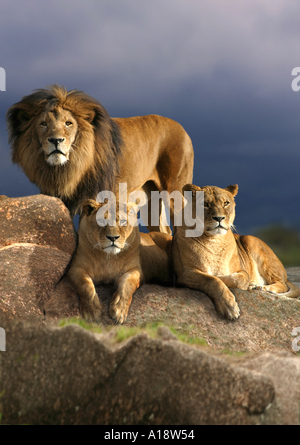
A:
x: 233, y: 189
x: 191, y: 188
x: 132, y: 206
x: 89, y: 206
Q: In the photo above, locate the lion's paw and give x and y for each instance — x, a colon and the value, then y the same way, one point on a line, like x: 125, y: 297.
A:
x: 91, y: 311
x: 228, y: 308
x: 119, y: 309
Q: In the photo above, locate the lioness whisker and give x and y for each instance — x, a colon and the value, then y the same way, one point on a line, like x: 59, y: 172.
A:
x: 233, y: 227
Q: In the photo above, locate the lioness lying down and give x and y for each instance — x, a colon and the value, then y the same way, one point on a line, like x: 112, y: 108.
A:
x: 219, y: 259
x: 116, y: 254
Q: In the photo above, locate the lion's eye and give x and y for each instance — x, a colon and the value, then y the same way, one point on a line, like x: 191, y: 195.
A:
x: 69, y: 124
x: 123, y: 222
x: 43, y: 124
x: 101, y: 222
x: 206, y: 205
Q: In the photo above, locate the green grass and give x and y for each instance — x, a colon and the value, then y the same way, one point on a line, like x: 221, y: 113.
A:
x: 122, y: 333
x: 82, y: 323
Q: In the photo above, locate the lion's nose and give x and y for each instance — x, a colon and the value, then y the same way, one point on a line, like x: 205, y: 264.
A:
x: 56, y: 141
x: 112, y: 238
x: 218, y: 218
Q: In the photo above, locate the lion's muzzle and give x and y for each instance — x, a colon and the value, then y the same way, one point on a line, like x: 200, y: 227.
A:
x: 56, y: 141
x: 58, y: 155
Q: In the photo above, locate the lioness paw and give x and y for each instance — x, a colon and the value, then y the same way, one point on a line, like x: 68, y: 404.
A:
x: 119, y: 310
x: 92, y: 311
x: 228, y: 309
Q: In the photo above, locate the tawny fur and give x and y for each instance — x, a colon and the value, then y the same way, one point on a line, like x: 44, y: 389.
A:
x: 149, y: 153
x: 127, y: 262
x: 219, y: 259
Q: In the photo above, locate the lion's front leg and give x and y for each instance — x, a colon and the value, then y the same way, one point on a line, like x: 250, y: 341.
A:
x: 90, y: 306
x: 122, y: 298
x: 222, y: 297
x: 237, y: 280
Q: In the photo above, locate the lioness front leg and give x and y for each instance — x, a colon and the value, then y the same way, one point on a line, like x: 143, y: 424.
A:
x: 275, y: 288
x: 127, y: 285
x: 222, y: 297
x: 90, y: 306
x: 237, y: 280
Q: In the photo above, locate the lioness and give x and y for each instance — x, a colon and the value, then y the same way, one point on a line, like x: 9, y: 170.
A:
x: 219, y: 259
x: 116, y: 254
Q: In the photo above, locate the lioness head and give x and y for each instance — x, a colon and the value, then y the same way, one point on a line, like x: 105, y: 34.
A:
x: 219, y: 207
x: 111, y: 239
x: 56, y: 130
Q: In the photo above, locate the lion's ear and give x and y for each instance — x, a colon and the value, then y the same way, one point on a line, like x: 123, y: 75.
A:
x: 16, y: 116
x: 90, y: 116
x: 191, y: 188
x: 233, y: 189
x: 88, y: 207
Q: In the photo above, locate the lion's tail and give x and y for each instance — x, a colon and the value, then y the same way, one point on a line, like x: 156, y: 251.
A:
x: 293, y: 292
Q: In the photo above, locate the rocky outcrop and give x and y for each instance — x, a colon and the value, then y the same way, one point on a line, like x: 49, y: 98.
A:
x: 39, y: 220
x: 53, y: 375
x: 37, y: 241
x: 72, y: 376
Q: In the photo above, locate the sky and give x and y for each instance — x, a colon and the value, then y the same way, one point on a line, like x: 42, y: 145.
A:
x: 222, y: 68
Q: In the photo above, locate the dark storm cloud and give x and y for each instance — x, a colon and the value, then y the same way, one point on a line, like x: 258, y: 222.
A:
x: 222, y: 69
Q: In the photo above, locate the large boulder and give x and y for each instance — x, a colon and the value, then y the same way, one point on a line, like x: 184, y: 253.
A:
x: 40, y: 220
x: 37, y: 241
x: 266, y: 321
x: 52, y: 375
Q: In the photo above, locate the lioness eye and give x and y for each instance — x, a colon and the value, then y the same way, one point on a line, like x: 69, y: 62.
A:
x: 123, y: 222
x: 226, y: 203
x: 43, y: 124
x: 68, y: 124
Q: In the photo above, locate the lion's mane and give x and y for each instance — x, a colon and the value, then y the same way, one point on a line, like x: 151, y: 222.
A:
x: 78, y: 179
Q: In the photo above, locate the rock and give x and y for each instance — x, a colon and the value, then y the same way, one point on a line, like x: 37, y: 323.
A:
x: 72, y: 376
x: 28, y: 276
x: 40, y: 220
x: 37, y: 241
x: 266, y: 321
x: 294, y: 275
x: 284, y: 371
x: 62, y: 303
x: 52, y: 375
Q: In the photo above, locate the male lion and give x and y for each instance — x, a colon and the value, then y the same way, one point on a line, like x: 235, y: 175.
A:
x: 68, y: 145
x: 117, y: 254
x: 220, y: 259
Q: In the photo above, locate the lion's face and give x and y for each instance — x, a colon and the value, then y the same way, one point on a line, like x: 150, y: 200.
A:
x: 219, y: 208
x: 109, y: 239
x: 56, y: 130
